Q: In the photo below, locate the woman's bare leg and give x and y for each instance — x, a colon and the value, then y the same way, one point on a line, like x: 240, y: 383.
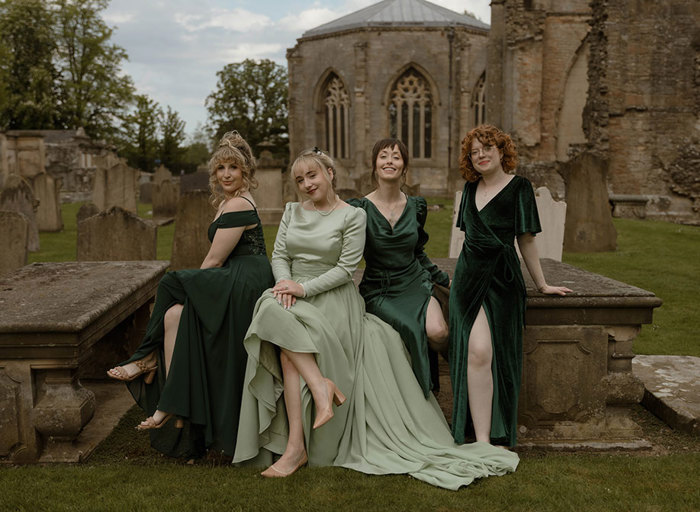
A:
x: 435, y: 326
x: 295, y: 451
x: 480, y: 377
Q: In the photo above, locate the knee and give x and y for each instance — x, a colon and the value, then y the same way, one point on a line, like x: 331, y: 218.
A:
x: 284, y: 360
x: 479, y: 356
x: 438, y: 333
x: 172, y: 315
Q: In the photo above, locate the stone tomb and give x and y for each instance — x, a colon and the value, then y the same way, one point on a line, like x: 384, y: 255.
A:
x: 14, y: 232
x: 190, y: 242
x: 46, y: 412
x: 116, y: 235
x: 578, y: 386
x: 17, y: 196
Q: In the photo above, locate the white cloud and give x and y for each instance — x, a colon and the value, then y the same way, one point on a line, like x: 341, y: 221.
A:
x: 307, y: 19
x: 248, y: 51
x: 237, y: 20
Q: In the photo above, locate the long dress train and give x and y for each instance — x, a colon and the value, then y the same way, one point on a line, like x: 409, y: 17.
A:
x: 387, y: 425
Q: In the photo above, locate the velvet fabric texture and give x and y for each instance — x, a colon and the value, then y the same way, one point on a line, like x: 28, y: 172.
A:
x: 488, y: 274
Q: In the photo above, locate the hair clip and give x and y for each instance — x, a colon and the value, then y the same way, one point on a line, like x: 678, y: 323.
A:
x: 317, y: 151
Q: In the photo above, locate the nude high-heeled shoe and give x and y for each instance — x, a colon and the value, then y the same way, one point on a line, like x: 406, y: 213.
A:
x: 144, y: 365
x: 273, y: 472
x: 335, y: 396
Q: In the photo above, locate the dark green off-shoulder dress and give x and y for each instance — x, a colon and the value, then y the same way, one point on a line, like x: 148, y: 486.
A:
x: 398, y: 281
x: 205, y: 382
x: 488, y: 274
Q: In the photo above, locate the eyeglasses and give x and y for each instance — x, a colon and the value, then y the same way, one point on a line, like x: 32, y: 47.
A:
x: 474, y: 153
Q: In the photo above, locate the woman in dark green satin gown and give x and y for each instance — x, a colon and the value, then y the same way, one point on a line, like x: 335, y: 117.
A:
x: 397, y: 284
x: 193, y: 345
x: 487, y: 298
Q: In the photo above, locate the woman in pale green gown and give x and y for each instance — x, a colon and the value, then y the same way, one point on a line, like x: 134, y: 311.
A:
x: 311, y: 343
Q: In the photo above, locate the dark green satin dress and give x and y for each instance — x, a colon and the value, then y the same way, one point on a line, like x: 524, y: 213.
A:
x: 398, y: 281
x: 205, y: 382
x: 488, y: 274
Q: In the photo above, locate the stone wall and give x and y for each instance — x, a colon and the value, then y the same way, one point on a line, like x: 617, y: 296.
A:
x: 369, y: 61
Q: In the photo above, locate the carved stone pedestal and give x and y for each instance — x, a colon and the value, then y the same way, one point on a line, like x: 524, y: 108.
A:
x: 55, y: 318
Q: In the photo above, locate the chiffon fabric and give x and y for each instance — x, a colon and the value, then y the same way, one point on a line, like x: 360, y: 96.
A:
x: 488, y: 274
x: 386, y: 425
x: 398, y: 281
x: 205, y: 381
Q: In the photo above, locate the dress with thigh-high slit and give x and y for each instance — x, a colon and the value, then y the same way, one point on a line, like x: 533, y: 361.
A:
x: 205, y: 380
x: 387, y: 425
x: 488, y: 274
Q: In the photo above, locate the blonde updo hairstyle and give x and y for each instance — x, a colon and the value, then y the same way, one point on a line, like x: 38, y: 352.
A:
x: 232, y: 149
x: 321, y: 160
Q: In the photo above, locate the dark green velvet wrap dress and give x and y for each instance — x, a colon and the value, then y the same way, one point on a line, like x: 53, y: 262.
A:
x: 398, y: 280
x: 488, y: 274
x: 205, y: 383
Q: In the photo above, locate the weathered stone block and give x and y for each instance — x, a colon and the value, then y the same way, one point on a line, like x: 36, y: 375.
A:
x: 194, y: 181
x: 116, y: 186
x: 116, y: 235
x: 14, y: 233
x: 161, y: 174
x: 190, y: 243
x: 86, y: 211
x: 165, y: 198
x: 47, y: 192
x: 17, y: 196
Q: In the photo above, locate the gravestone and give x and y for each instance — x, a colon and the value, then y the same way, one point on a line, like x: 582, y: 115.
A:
x: 268, y: 195
x: 195, y: 181
x: 14, y: 233
x: 116, y: 186
x: 160, y: 175
x: 146, y: 192
x: 116, y: 235
x: 589, y: 226
x: 190, y: 242
x: 47, y: 192
x: 164, y: 198
x: 17, y: 196
x: 86, y: 211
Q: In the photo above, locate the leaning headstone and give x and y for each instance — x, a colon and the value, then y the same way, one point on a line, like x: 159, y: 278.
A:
x: 87, y: 210
x: 17, y: 196
x: 165, y: 197
x: 589, y: 226
x: 47, y: 191
x: 116, y: 235
x: 116, y: 186
x: 161, y: 174
x: 190, y: 242
x: 14, y: 233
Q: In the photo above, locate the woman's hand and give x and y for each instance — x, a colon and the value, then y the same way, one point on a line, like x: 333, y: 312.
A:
x: 287, y: 291
x: 554, y: 290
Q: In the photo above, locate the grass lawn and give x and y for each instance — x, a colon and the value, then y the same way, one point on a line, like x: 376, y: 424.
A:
x: 126, y: 474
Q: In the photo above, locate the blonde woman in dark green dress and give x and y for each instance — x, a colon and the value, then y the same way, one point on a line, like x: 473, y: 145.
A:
x: 311, y: 344
x: 397, y: 283
x: 191, y: 362
x: 487, y: 298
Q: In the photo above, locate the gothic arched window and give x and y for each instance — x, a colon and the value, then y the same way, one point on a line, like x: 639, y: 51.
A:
x: 337, y: 103
x: 411, y: 113
x: 479, y: 101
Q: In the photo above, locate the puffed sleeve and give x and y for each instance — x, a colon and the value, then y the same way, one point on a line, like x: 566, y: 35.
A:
x: 280, y: 261
x: 436, y: 275
x: 527, y: 219
x: 350, y: 255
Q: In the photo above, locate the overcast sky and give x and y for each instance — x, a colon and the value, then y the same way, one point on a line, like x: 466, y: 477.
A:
x: 176, y: 47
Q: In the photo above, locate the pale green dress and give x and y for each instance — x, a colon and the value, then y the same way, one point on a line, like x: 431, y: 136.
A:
x: 386, y: 425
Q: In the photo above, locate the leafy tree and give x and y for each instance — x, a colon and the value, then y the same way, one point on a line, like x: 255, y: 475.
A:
x: 94, y: 92
x: 28, y: 95
x: 173, y: 131
x: 251, y: 97
x: 140, y: 144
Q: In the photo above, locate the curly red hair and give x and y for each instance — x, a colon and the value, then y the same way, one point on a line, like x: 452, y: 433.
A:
x: 488, y: 135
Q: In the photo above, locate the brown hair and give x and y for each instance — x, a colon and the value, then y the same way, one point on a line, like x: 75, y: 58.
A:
x: 491, y: 136
x: 388, y: 143
x: 233, y: 149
